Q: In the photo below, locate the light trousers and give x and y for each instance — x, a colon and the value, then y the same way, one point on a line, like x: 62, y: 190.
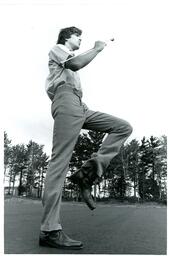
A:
x: 70, y: 116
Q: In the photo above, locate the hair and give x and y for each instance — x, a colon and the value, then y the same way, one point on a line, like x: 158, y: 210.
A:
x: 66, y: 33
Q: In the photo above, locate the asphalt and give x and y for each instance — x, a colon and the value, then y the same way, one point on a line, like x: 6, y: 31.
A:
x: 110, y: 229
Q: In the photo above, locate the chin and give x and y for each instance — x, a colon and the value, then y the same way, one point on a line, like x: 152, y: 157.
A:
x: 77, y: 47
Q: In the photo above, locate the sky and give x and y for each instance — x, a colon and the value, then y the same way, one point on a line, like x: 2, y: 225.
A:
x: 129, y: 79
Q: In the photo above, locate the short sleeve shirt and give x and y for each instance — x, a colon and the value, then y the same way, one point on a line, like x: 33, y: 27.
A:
x: 58, y: 74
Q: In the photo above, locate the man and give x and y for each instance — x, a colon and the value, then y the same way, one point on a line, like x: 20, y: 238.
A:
x: 70, y: 116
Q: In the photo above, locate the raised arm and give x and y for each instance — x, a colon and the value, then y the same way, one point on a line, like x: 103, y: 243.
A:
x: 84, y: 59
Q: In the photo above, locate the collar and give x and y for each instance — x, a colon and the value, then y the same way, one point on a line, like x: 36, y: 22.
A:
x: 63, y: 47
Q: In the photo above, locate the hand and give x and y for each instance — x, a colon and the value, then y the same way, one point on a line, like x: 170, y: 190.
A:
x: 99, y: 45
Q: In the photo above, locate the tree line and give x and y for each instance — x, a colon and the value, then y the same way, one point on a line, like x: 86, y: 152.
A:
x: 25, y: 163
x: 138, y: 172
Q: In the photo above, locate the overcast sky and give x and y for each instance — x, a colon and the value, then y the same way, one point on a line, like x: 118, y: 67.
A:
x: 129, y: 79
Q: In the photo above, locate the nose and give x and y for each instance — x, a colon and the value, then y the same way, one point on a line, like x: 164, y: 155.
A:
x: 79, y: 41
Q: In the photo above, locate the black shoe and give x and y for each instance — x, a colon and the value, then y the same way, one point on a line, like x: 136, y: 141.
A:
x: 84, y: 184
x: 58, y: 239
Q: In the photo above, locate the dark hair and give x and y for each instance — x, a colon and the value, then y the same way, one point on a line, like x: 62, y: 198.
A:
x: 66, y: 33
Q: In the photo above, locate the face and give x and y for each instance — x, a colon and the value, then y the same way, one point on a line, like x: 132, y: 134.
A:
x: 74, y: 41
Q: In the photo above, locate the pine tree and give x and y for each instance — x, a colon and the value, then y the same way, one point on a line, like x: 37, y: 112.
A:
x: 19, y: 164
x: 143, y: 168
x: 7, y: 160
x: 154, y: 144
x: 7, y: 152
x: 116, y: 175
x: 161, y: 168
x: 37, y: 164
x: 87, y: 144
x: 133, y: 164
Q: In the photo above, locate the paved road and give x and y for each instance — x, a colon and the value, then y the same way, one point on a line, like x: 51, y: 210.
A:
x: 110, y: 229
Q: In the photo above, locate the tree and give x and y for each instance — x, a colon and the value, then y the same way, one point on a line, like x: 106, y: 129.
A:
x: 41, y: 171
x: 150, y: 169
x: 116, y: 175
x: 87, y: 144
x: 7, y: 153
x: 143, y: 168
x: 37, y: 164
x: 28, y: 163
x: 133, y: 163
x: 161, y: 168
x: 154, y: 144
x: 19, y: 158
x: 80, y: 152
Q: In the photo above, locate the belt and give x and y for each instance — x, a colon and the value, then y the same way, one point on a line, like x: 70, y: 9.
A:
x: 69, y: 89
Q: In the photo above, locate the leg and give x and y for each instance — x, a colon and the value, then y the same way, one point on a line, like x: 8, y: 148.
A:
x: 68, y: 121
x: 118, y: 131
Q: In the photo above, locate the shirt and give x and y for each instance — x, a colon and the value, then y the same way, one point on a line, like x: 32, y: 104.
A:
x: 58, y: 74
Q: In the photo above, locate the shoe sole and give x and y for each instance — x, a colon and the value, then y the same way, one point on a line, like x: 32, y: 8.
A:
x: 48, y: 244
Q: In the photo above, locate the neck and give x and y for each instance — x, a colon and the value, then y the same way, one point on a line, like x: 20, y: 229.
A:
x: 68, y: 46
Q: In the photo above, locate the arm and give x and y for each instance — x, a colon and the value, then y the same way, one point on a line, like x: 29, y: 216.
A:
x: 84, y: 59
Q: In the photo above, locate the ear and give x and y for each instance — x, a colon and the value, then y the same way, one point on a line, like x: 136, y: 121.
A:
x: 66, y: 40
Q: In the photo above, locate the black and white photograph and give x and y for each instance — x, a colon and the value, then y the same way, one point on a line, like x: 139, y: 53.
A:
x: 85, y: 87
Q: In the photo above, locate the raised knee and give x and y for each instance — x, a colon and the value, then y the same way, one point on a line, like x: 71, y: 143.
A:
x: 125, y: 128
x: 128, y: 128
